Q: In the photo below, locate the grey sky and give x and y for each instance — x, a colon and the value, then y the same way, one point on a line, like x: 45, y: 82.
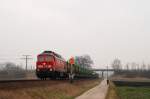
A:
x: 104, y: 29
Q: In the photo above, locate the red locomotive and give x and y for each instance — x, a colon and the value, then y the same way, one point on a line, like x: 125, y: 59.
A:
x: 50, y: 64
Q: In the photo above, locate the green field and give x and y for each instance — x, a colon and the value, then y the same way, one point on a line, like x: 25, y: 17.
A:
x: 134, y: 92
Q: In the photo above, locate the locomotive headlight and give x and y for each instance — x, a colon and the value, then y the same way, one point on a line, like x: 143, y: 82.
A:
x: 40, y: 66
x: 49, y: 66
x: 44, y: 63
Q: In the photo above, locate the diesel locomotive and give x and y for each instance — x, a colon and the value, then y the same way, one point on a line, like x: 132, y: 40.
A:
x: 52, y: 65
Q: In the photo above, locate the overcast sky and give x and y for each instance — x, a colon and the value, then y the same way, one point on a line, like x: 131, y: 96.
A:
x: 104, y: 29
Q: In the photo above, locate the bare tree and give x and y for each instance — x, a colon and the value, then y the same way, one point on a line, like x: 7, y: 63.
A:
x: 143, y: 67
x: 148, y: 66
x: 138, y: 67
x: 12, y: 71
x: 117, y: 64
x: 84, y: 61
x: 2, y: 65
x: 127, y: 66
x: 133, y: 66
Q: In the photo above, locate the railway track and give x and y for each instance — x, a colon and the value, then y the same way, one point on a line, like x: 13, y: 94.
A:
x: 19, y: 84
x: 31, y: 83
x: 22, y: 80
x: 35, y: 80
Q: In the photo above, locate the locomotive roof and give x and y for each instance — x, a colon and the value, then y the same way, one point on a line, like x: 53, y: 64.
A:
x: 52, y: 53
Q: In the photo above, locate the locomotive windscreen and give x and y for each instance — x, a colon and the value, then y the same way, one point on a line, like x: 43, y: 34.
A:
x: 40, y: 58
x: 49, y: 58
x: 45, y: 58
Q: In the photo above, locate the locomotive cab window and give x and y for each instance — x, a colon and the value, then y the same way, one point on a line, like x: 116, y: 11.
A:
x: 49, y: 58
x: 41, y: 58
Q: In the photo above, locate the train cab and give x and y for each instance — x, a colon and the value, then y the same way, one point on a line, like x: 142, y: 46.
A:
x: 49, y: 64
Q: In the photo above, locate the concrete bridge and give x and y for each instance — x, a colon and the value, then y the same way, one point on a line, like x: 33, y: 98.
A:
x: 101, y: 71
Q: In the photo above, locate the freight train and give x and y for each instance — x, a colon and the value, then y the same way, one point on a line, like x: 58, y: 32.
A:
x: 52, y: 65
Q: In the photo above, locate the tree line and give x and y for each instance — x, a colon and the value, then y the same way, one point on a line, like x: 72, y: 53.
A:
x: 10, y: 70
x: 117, y: 65
x: 131, y: 69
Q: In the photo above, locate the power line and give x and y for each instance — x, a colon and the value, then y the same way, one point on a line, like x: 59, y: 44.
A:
x: 26, y: 58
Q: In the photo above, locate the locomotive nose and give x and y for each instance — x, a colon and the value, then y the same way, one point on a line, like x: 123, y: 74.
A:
x: 49, y: 66
x: 44, y: 64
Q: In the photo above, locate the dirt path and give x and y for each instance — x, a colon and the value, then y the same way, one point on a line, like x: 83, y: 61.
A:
x: 98, y: 92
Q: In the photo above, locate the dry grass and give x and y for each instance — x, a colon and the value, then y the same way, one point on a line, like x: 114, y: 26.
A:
x: 112, y: 92
x: 63, y: 90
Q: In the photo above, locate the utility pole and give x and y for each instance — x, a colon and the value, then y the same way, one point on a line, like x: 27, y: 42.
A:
x: 26, y: 58
x: 107, y: 72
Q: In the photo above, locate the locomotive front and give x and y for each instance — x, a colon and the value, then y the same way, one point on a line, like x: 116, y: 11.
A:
x: 44, y: 65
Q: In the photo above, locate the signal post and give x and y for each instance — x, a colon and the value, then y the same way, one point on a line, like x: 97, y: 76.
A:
x: 71, y: 75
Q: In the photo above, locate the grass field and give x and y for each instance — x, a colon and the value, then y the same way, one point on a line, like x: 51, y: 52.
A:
x: 133, y: 92
x: 46, y: 89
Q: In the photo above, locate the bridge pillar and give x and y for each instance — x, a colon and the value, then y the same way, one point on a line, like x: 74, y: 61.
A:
x: 102, y: 74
